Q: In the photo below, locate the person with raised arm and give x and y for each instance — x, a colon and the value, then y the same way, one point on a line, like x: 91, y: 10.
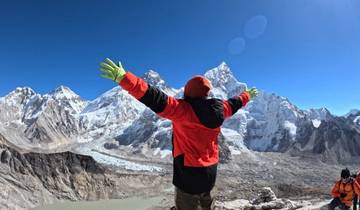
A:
x: 196, y: 121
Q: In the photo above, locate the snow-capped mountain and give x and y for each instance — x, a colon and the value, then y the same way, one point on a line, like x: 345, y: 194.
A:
x: 44, y: 121
x: 354, y: 116
x: 268, y: 123
x: 352, y: 112
x: 68, y: 99
x: 225, y: 85
x: 153, y: 78
x: 109, y: 114
x: 263, y: 121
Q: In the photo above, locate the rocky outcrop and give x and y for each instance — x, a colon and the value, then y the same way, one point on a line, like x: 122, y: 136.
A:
x: 335, y: 140
x: 265, y: 200
x: 30, y: 179
x: 45, y: 177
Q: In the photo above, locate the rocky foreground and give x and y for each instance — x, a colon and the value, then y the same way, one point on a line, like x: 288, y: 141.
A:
x: 273, y: 181
x: 266, y: 199
x: 29, y: 179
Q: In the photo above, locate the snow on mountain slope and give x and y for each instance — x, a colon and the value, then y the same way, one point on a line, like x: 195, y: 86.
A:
x: 262, y: 119
x: 68, y: 99
x: 118, y: 116
x: 109, y: 114
x: 354, y: 116
x: 273, y: 123
x: 148, y: 128
x: 13, y: 104
x: 153, y: 78
x: 270, y: 118
x: 357, y: 120
x: 225, y: 85
x: 318, y: 115
x: 44, y: 121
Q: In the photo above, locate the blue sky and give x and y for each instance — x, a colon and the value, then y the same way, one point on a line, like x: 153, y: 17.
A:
x: 305, y: 50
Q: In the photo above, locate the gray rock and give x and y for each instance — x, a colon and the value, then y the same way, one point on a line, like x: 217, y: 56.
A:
x: 5, y: 156
x: 265, y: 200
x: 265, y: 195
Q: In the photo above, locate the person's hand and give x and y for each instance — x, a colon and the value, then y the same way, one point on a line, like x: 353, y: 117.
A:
x: 342, y: 195
x: 112, y: 71
x: 253, y: 92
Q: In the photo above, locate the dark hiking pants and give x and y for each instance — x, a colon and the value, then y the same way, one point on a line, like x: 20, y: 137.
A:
x: 337, y: 203
x: 186, y: 201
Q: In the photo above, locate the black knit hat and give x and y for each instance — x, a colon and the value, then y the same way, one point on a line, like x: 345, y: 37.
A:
x: 345, y: 173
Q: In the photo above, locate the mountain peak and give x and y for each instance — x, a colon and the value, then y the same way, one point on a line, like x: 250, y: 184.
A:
x: 153, y: 77
x: 223, y: 81
x: 151, y: 73
x: 24, y: 90
x: 352, y: 112
x: 21, y: 92
x: 222, y: 70
x: 18, y: 97
x: 63, y: 88
x: 223, y: 65
x: 319, y: 113
x: 63, y: 92
x: 221, y: 74
x: 321, y: 109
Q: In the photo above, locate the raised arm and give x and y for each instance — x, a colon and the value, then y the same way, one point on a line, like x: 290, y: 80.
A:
x: 152, y: 97
x: 232, y: 105
x: 159, y: 102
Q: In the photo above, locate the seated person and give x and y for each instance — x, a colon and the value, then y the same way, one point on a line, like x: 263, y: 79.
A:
x: 344, y: 190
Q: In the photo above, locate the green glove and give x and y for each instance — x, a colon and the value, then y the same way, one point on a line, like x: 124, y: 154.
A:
x: 253, y: 92
x: 112, y: 71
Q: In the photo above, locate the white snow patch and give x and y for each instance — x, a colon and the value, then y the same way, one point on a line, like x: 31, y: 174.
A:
x: 234, y: 137
x: 357, y: 120
x: 291, y: 127
x: 163, y: 153
x: 118, y: 162
x: 316, y: 123
x: 234, y: 150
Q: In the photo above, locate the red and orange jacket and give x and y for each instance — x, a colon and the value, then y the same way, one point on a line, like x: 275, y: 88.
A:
x: 348, y: 189
x: 196, y: 126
